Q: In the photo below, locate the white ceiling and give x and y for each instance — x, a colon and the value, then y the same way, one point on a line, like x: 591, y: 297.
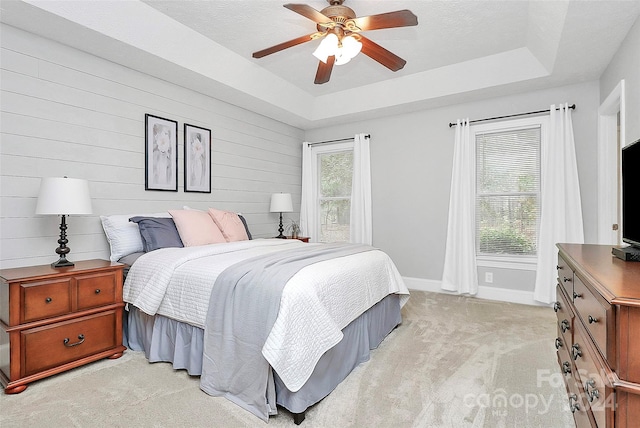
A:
x: 460, y: 50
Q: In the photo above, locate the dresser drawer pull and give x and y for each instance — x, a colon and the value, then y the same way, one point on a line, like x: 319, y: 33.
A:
x: 556, y: 306
x: 559, y: 267
x: 558, y: 343
x: 565, y: 279
x: 576, y: 295
x: 576, y: 352
x: 97, y: 291
x: 564, y: 326
x: 593, y: 394
x: 573, y: 406
x: 69, y: 345
x: 592, y: 319
x: 48, y: 300
x: 566, y: 367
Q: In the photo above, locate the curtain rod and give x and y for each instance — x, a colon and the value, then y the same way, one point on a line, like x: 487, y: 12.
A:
x: 573, y: 106
x: 336, y: 141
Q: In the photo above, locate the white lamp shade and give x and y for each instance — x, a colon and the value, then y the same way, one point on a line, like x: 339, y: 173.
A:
x: 281, y: 203
x: 328, y: 47
x: 62, y: 195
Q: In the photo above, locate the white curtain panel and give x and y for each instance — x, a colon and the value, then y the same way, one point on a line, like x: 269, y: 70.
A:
x: 307, y: 203
x: 360, y: 222
x: 460, y: 270
x: 561, y: 212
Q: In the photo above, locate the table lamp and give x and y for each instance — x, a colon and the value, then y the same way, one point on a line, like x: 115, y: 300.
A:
x: 281, y: 202
x: 63, y: 196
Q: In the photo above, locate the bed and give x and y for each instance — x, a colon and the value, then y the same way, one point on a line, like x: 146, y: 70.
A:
x: 336, y: 304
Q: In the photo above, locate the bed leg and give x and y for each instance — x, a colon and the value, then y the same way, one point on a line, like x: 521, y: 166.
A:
x: 298, y: 418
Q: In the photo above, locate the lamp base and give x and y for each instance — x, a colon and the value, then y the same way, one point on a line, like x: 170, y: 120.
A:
x: 62, y: 262
x: 281, y: 229
x: 62, y: 250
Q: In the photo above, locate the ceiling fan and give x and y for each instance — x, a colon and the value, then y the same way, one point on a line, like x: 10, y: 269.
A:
x: 339, y: 29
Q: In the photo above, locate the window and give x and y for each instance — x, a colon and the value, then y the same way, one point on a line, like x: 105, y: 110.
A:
x: 333, y: 178
x: 508, y: 188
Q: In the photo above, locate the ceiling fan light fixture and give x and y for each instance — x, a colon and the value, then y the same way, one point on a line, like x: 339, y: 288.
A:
x: 351, y: 46
x: 328, y: 47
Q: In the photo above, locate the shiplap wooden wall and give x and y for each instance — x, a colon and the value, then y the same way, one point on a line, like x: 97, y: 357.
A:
x: 67, y: 112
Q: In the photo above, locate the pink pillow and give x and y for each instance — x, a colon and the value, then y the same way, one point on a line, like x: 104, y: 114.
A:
x: 229, y: 224
x: 196, y: 228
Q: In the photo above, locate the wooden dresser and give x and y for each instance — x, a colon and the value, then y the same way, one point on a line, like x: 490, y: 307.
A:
x: 598, y: 343
x: 56, y: 319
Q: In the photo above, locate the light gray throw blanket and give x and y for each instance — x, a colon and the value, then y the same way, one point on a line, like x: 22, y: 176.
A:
x: 243, y: 308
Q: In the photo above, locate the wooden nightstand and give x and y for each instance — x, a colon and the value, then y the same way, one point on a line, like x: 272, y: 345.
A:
x: 300, y: 238
x: 57, y: 319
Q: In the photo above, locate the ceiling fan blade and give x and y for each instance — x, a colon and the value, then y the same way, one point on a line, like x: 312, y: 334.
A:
x: 284, y: 45
x: 324, y: 71
x: 308, y: 12
x: 400, y: 18
x: 374, y: 51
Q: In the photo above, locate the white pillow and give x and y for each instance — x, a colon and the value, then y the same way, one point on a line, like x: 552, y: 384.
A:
x: 124, y: 235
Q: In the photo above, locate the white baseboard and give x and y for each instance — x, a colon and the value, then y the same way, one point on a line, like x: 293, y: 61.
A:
x: 484, y: 292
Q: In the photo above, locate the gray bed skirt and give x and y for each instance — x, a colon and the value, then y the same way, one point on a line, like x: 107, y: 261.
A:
x: 168, y: 340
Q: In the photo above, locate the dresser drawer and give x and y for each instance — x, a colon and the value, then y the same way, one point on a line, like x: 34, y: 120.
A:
x: 564, y: 315
x: 565, y: 276
x: 96, y: 290
x: 580, y: 409
x: 592, y: 376
x: 63, y: 342
x: 593, y: 314
x: 45, y: 299
x: 564, y: 358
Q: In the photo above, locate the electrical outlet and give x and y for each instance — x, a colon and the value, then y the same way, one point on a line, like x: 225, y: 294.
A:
x: 488, y: 277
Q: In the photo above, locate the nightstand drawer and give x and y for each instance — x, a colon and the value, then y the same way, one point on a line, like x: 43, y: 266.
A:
x: 56, y: 344
x: 96, y: 290
x: 45, y: 299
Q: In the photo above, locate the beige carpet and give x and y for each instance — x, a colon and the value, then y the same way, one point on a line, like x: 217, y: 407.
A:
x: 454, y: 362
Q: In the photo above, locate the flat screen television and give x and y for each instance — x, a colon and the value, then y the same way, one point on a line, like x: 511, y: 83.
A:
x: 631, y: 194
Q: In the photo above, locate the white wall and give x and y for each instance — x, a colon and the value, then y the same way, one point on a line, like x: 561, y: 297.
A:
x: 625, y: 64
x: 66, y: 112
x: 411, y: 158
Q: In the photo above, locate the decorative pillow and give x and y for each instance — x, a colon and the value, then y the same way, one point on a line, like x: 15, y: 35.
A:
x: 157, y: 233
x: 229, y: 224
x: 196, y: 228
x: 246, y: 227
x: 123, y: 236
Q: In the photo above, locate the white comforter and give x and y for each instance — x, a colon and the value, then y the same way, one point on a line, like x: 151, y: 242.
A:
x: 316, y: 304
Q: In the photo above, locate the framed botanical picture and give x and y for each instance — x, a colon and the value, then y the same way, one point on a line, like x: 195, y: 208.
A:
x: 197, y: 159
x: 161, y: 153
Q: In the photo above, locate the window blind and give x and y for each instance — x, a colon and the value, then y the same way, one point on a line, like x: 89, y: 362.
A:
x: 507, y: 191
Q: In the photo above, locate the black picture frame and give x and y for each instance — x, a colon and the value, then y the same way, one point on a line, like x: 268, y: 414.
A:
x: 161, y: 153
x: 197, y: 159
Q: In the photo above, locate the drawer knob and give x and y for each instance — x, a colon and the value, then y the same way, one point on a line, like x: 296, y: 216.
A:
x: 576, y: 295
x: 558, y: 267
x: 556, y: 306
x: 590, y: 389
x: 564, y: 326
x: 97, y: 291
x: 573, y: 403
x: 576, y: 352
x: 566, y: 367
x: 592, y: 319
x: 69, y: 345
x: 565, y: 279
x: 48, y: 300
x: 558, y: 343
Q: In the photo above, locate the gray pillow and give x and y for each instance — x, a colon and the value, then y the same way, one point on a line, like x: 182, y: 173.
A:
x: 157, y: 233
x: 245, y: 226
